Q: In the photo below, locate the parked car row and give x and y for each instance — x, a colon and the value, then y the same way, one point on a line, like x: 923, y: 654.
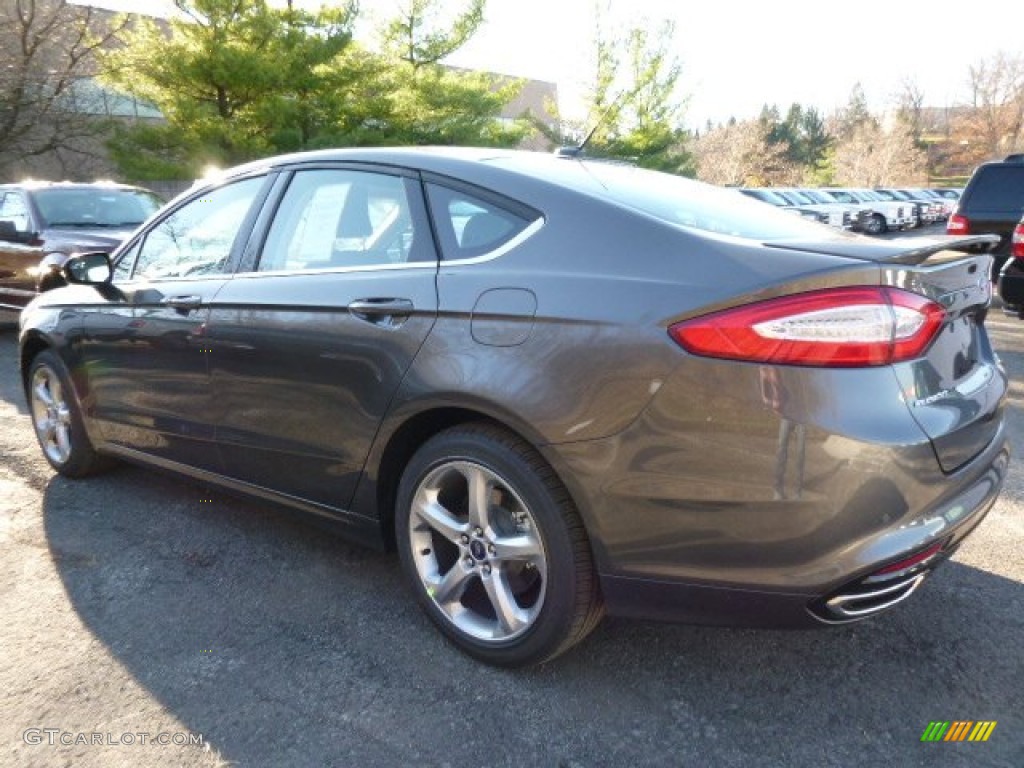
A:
x: 872, y: 211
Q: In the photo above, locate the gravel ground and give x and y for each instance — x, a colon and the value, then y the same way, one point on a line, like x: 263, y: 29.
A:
x: 137, y: 604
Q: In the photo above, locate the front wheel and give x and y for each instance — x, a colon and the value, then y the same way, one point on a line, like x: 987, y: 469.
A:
x: 876, y: 225
x: 58, y: 420
x: 494, y: 548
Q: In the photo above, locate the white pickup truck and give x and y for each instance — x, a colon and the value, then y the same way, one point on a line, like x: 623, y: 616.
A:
x: 888, y: 214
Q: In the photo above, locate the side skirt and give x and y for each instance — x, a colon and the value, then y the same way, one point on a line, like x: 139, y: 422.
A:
x: 358, y: 528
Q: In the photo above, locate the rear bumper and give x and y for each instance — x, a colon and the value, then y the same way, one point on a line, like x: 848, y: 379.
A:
x: 709, y: 511
x: 860, y: 595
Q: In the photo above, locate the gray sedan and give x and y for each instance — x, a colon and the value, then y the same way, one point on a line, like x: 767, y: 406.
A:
x: 557, y: 387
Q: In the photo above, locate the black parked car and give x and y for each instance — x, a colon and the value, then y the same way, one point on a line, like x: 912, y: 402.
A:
x: 992, y: 202
x: 42, y: 223
x: 558, y: 387
x: 1011, y: 278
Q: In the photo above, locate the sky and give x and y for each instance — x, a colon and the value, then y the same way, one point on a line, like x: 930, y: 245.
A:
x: 737, y: 56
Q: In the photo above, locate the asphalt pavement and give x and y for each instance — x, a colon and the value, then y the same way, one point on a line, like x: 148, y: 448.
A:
x: 140, y: 608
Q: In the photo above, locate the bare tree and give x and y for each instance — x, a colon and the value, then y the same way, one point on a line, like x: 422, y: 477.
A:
x: 995, y: 115
x: 875, y: 156
x: 47, y: 54
x: 910, y: 106
x: 740, y: 154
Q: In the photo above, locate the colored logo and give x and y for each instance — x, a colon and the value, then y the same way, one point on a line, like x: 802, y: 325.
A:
x: 958, y: 730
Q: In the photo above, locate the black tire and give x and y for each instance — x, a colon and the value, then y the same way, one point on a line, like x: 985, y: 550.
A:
x: 57, y: 419
x: 553, y: 597
x: 876, y: 225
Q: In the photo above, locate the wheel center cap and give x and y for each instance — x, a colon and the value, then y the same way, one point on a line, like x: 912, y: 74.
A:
x: 477, y: 549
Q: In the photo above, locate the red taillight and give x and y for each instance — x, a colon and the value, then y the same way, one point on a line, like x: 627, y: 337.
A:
x: 1017, y: 246
x: 958, y: 225
x: 838, y: 327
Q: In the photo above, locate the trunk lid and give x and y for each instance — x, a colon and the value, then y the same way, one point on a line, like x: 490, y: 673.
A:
x: 956, y: 390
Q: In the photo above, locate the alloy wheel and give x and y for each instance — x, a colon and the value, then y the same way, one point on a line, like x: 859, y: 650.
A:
x: 477, y: 551
x: 51, y: 415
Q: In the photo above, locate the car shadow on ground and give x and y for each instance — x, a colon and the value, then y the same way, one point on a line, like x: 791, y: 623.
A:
x: 285, y: 645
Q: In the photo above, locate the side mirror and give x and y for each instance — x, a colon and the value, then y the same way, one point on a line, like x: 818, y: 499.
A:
x: 89, y: 269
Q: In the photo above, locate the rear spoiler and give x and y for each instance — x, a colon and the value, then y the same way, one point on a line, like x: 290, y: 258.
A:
x: 909, y: 251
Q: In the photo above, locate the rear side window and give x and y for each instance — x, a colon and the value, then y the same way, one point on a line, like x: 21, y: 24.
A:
x: 997, y: 188
x: 469, y: 226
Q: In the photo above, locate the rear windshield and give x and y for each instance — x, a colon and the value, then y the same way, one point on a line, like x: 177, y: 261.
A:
x: 696, y: 205
x: 998, y: 188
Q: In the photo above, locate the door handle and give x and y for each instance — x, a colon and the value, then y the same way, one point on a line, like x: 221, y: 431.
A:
x: 382, y: 310
x: 183, y: 303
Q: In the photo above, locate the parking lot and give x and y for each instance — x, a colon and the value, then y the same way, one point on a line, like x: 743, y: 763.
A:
x: 135, y: 604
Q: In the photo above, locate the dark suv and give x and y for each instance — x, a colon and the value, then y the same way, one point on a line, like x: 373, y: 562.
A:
x: 992, y: 202
x: 42, y: 223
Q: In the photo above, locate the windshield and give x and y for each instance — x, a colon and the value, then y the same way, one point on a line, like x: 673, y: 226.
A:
x: 95, y: 207
x: 801, y: 197
x: 700, y: 206
x: 818, y: 197
x: 765, y: 196
x: 843, y: 196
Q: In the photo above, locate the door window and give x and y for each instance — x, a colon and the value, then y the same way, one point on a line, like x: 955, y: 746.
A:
x: 333, y: 218
x: 14, y: 210
x: 198, y: 237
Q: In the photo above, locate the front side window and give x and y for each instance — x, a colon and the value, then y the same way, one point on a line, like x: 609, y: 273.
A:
x: 470, y: 226
x: 330, y: 218
x: 197, y: 238
x: 14, y: 210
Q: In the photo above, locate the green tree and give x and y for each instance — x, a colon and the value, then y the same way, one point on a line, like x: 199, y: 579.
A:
x: 651, y: 118
x: 235, y: 80
x: 240, y: 79
x: 429, y: 103
x: 801, y: 135
x: 634, y: 109
x: 855, y: 115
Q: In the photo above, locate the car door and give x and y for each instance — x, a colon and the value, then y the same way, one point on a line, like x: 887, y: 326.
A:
x: 143, y: 347
x: 20, y: 253
x: 311, y: 339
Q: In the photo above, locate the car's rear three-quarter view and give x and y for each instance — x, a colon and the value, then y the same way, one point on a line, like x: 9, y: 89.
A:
x: 557, y: 387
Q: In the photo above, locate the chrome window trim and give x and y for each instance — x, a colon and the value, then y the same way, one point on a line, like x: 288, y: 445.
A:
x: 529, y: 231
x: 535, y: 226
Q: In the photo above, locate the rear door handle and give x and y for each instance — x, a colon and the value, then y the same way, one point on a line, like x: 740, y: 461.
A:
x: 381, y: 310
x: 183, y: 303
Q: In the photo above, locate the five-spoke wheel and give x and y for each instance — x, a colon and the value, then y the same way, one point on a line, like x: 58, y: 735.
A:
x: 57, y: 420
x: 51, y: 415
x: 494, y: 548
x: 477, y: 551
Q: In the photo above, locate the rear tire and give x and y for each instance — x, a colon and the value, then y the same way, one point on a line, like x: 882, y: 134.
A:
x: 494, y: 548
x: 57, y: 419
